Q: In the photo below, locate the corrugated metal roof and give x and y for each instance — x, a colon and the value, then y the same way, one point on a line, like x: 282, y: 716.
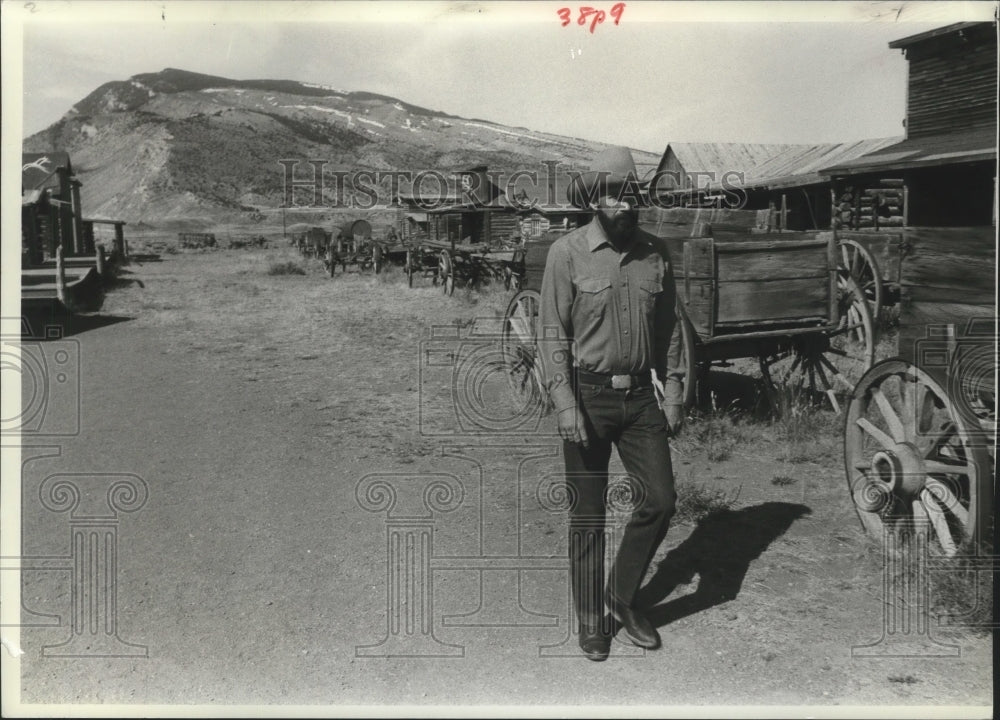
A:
x: 722, y: 157
x: 971, y: 146
x: 801, y: 165
x: 38, y: 170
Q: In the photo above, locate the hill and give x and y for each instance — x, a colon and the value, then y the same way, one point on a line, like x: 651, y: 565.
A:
x: 177, y: 145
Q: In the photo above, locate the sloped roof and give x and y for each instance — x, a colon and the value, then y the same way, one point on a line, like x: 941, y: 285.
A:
x: 936, y: 32
x: 950, y: 149
x: 801, y: 165
x: 38, y: 170
x: 722, y: 157
x: 792, y: 165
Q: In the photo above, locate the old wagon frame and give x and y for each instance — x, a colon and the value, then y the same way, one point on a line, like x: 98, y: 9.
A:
x: 920, y: 428
x: 787, y: 301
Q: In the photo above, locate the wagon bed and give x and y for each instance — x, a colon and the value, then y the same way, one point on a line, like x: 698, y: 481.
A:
x: 783, y: 299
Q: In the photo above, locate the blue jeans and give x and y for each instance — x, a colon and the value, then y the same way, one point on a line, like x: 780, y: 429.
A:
x: 634, y: 423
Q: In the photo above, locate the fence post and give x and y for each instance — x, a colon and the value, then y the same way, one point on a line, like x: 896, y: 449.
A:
x: 99, y: 259
x: 60, y: 275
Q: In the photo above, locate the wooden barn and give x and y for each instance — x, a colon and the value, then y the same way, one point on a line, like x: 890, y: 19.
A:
x: 685, y: 168
x: 943, y: 173
x: 942, y: 255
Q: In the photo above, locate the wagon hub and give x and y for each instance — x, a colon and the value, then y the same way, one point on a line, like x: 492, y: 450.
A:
x: 899, y: 470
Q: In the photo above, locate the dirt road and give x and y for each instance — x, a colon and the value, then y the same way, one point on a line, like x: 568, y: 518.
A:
x: 253, y: 405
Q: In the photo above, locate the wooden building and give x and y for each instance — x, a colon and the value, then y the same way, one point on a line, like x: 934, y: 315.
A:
x: 50, y: 207
x: 781, y: 183
x: 482, y: 215
x: 412, y: 205
x: 686, y: 168
x: 943, y: 174
x: 543, y: 206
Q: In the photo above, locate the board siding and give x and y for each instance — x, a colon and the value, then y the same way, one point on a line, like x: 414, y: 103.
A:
x: 952, y: 87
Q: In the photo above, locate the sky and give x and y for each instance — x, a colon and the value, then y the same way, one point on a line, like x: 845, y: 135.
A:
x: 667, y: 72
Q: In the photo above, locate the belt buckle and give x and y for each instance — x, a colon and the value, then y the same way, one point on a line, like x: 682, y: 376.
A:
x: 621, y: 382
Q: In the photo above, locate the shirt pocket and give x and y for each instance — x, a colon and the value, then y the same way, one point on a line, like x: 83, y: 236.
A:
x: 649, y: 293
x: 593, y: 297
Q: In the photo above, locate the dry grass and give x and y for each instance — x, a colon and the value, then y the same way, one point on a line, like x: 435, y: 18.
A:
x: 805, y: 431
x: 695, y: 502
x: 962, y: 595
x: 286, y: 267
x: 717, y: 432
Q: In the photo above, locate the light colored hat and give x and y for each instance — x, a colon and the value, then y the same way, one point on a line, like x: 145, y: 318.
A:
x: 609, y: 171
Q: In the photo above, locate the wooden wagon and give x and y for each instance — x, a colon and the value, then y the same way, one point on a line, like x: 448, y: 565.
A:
x: 468, y: 264
x: 920, y: 428
x: 785, y: 300
x: 354, y: 248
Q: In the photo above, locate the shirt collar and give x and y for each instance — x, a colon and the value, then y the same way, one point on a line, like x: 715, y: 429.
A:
x: 597, y: 237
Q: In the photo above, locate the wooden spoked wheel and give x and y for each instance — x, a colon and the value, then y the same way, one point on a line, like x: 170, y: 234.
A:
x: 859, y: 264
x: 914, y: 463
x: 446, y: 272
x: 831, y: 362
x: 377, y: 258
x: 519, y: 350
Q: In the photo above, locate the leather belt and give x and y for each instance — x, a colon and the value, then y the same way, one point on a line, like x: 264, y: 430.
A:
x: 618, y: 382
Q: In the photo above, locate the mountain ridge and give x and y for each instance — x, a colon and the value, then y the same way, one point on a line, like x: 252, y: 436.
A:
x: 177, y: 144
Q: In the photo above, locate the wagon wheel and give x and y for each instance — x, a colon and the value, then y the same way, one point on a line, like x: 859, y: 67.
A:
x: 409, y: 268
x: 377, y: 258
x: 446, y: 273
x: 858, y: 263
x: 832, y: 361
x: 913, y: 461
x: 519, y: 350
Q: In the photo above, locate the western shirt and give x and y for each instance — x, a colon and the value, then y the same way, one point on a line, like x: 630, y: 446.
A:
x: 608, y: 312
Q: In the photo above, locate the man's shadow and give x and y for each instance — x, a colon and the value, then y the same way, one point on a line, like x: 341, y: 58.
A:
x: 719, y: 551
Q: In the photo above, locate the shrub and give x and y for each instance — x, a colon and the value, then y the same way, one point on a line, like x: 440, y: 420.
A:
x: 286, y: 268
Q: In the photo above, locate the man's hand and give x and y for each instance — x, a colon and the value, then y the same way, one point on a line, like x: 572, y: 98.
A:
x: 571, y: 426
x: 675, y: 418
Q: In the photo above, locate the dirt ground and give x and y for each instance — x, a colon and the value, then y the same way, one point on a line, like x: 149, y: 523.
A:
x: 257, y: 408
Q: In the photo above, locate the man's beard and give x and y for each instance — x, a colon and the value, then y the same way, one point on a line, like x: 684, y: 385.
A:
x: 621, y: 224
